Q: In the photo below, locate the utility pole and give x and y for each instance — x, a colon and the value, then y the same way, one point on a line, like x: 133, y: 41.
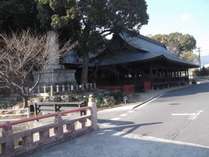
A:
x: 199, y: 52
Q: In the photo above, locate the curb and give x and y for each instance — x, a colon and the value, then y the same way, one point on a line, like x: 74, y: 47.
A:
x: 157, y: 96
x: 146, y: 101
x: 132, y: 107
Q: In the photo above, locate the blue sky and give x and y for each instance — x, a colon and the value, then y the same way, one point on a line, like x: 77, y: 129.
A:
x: 186, y: 16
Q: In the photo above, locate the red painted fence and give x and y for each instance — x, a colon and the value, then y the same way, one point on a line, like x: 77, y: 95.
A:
x: 17, y: 143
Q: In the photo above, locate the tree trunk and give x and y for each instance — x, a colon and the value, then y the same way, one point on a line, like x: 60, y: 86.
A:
x: 25, y: 101
x: 25, y: 95
x: 84, y: 74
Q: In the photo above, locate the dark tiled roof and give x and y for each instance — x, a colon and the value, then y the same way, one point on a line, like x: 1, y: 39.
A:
x: 145, y: 49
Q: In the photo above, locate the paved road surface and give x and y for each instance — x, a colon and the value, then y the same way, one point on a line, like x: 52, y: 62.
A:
x: 181, y: 115
x: 151, y: 130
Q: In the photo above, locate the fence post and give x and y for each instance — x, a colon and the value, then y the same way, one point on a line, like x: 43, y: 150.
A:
x: 87, y: 86
x: 57, y: 88
x: 59, y: 129
x: 51, y: 90
x: 68, y: 87
x: 92, y: 104
x: 44, y: 88
x: 63, y: 88
x: 95, y: 86
x: 80, y: 87
x: 38, y: 89
x: 8, y: 148
x: 72, y: 88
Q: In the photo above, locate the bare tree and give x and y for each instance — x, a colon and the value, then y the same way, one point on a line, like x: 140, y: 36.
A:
x: 20, y: 55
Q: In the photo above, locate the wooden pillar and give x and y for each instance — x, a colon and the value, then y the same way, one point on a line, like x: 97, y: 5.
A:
x: 151, y: 76
x: 167, y: 78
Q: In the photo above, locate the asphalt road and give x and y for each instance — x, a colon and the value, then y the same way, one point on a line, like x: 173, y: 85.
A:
x: 176, y: 124
x: 181, y: 115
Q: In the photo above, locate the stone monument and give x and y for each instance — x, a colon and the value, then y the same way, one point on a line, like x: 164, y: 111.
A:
x: 54, y: 72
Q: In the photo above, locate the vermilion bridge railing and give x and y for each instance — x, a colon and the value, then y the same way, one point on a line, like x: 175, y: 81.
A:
x: 62, y: 127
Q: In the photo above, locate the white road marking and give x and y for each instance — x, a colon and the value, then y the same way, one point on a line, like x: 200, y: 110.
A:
x: 183, y: 114
x: 123, y: 115
x: 191, y: 116
x: 117, y: 118
x: 130, y: 110
x: 151, y: 138
x: 156, y: 139
x: 121, y: 108
x: 196, y: 115
x: 119, y: 133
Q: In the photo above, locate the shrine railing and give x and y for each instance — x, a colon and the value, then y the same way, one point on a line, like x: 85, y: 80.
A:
x: 62, y: 126
x: 63, y: 88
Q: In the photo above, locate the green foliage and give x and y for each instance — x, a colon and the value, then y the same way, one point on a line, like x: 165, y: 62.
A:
x: 190, y: 56
x: 44, y: 14
x: 17, y: 15
x: 43, y: 2
x: 108, y: 99
x: 202, y: 72
x: 177, y: 42
x: 90, y: 21
x: 86, y: 22
x: 55, y: 13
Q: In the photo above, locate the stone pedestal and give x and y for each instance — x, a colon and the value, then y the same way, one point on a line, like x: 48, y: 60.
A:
x: 57, y: 76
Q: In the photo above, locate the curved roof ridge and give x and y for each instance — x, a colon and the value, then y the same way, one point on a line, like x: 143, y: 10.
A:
x: 135, y: 34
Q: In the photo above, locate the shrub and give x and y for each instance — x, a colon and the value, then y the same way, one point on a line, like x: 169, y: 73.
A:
x: 108, y: 99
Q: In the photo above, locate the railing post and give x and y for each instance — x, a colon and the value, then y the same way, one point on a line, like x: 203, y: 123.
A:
x: 63, y: 88
x: 44, y: 136
x: 72, y: 88
x: 87, y: 86
x: 51, y: 90
x: 95, y: 86
x: 38, y: 89
x: 83, y: 123
x: 92, y: 104
x: 8, y: 148
x: 59, y: 129
x: 68, y: 87
x: 44, y: 89
x: 71, y: 128
x: 57, y: 87
x: 80, y: 87
x: 83, y: 87
x: 28, y: 141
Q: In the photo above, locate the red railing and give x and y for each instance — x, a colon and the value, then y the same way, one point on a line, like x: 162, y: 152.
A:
x: 17, y: 143
x: 43, y: 117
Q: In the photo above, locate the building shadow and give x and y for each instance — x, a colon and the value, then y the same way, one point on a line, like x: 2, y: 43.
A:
x: 126, y: 127
x: 190, y: 90
x: 103, y: 143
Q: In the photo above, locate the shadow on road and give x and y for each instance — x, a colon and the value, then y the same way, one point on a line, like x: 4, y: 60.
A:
x: 125, y: 126
x: 114, y: 122
x: 191, y: 90
x: 103, y: 143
